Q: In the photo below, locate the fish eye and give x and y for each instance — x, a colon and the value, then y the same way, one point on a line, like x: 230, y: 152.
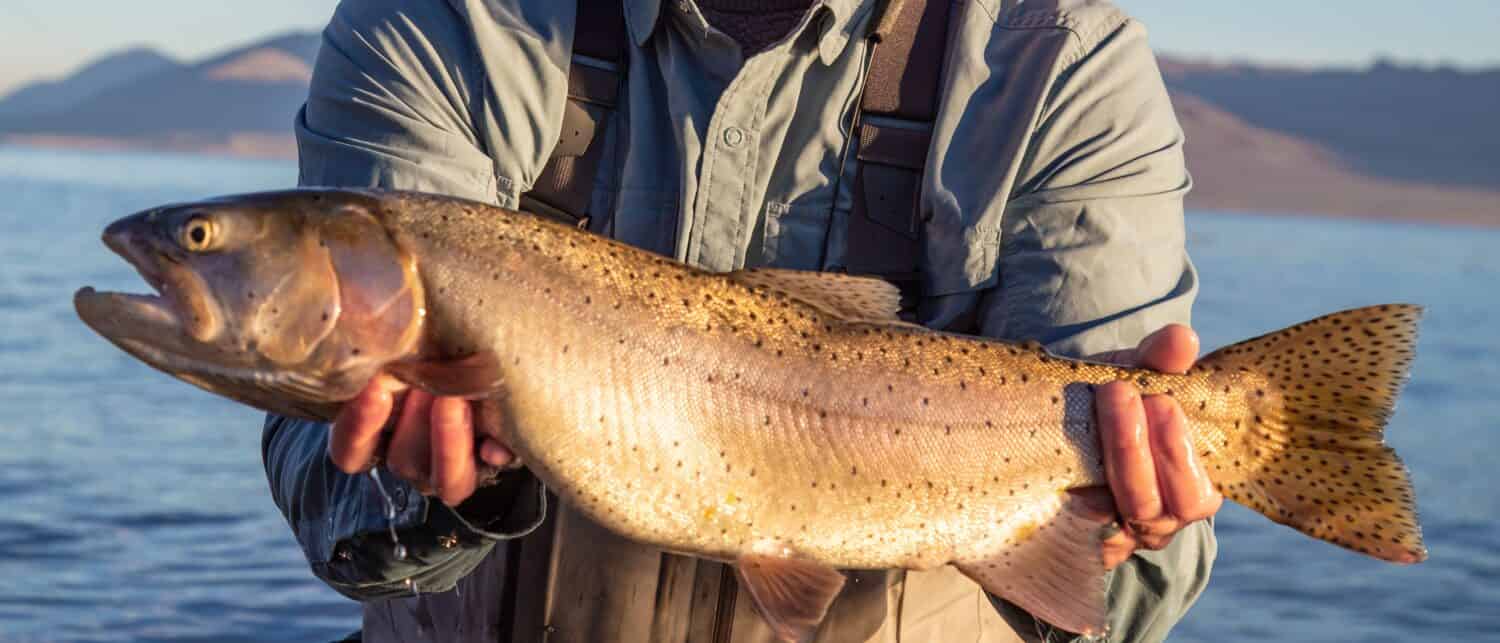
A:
x: 197, y: 235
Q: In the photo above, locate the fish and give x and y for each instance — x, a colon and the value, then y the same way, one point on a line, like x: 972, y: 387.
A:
x: 786, y: 422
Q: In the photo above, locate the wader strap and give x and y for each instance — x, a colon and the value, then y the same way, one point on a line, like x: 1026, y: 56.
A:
x: 894, y: 126
x: 566, y: 184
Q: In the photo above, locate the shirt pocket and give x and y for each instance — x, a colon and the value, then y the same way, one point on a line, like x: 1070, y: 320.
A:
x: 796, y: 235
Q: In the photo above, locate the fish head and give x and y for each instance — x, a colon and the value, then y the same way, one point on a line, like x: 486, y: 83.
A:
x: 289, y: 301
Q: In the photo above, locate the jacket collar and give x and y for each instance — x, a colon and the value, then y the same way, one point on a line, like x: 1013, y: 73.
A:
x: 835, y: 27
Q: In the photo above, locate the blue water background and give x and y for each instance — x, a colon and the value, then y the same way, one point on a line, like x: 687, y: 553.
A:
x: 134, y: 507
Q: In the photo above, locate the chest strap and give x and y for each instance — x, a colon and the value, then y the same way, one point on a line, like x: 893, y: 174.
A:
x: 566, y: 185
x: 894, y: 126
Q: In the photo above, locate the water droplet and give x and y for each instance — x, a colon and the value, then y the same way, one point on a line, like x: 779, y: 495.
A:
x: 390, y: 517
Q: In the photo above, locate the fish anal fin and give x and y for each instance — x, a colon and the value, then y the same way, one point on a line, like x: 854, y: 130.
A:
x: 474, y: 377
x: 845, y: 296
x: 1052, y: 567
x: 792, y: 595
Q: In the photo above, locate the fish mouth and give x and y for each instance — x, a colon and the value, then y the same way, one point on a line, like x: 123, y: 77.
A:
x: 145, y: 326
x: 137, y: 322
x: 129, y: 315
x: 148, y: 328
x: 179, y: 306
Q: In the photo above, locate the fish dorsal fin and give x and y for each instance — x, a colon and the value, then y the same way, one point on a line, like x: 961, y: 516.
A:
x: 845, y: 296
x: 792, y: 595
x: 1052, y: 568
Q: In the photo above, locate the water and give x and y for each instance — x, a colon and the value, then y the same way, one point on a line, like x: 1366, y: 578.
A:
x: 133, y: 507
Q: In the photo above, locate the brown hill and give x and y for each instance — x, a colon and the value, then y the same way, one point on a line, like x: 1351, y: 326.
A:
x: 1388, y: 141
x: 264, y: 65
x: 1238, y: 166
x: 239, y: 102
x: 1424, y: 124
x: 105, y: 72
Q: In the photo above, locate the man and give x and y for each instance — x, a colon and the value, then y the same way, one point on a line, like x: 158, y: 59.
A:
x: 1051, y: 207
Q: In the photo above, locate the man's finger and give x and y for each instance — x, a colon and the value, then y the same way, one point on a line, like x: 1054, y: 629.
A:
x: 355, y: 435
x: 408, y: 455
x: 1172, y: 349
x: 1117, y: 547
x: 1154, y: 542
x: 1187, y: 493
x: 495, y: 454
x: 453, y: 474
x: 1098, y: 503
x: 1127, y: 451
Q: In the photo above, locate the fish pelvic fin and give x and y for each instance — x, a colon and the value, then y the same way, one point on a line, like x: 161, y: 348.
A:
x: 791, y: 595
x: 1053, y: 570
x: 473, y: 377
x: 1313, y: 452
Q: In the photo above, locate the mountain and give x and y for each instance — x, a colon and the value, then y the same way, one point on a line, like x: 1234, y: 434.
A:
x: 242, y: 101
x: 1386, y: 141
x: 1432, y: 125
x: 105, y: 73
x: 1389, y: 141
x: 1239, y: 166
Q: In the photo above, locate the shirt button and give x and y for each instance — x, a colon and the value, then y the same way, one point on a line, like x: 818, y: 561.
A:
x: 734, y: 136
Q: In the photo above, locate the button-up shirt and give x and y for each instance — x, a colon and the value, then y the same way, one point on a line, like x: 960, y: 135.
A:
x: 1051, y: 202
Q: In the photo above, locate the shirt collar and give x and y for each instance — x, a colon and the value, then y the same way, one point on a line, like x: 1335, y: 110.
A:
x: 842, y: 18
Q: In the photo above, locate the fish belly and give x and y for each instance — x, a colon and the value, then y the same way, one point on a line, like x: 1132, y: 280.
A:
x: 701, y: 442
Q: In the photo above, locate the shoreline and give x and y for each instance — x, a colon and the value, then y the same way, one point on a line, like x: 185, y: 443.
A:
x: 1199, y: 210
x: 1476, y: 208
x: 238, y: 145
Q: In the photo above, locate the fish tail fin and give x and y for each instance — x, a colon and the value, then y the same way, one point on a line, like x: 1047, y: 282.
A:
x: 1311, y: 448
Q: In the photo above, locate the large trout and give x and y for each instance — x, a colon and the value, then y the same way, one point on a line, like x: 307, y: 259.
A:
x: 786, y: 422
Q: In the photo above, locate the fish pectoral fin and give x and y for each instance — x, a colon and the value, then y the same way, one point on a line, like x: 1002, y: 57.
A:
x: 1055, y: 570
x: 848, y: 297
x: 474, y: 377
x: 792, y: 595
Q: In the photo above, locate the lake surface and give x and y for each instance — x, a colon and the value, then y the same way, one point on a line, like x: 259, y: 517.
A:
x: 134, y: 508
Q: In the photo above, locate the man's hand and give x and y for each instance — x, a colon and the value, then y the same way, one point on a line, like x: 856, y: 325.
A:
x: 1155, y: 480
x: 431, y: 445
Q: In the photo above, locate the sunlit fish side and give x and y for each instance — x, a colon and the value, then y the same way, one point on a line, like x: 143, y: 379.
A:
x: 783, y: 421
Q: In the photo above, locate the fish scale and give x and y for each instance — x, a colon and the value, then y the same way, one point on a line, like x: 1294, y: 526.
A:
x: 786, y: 422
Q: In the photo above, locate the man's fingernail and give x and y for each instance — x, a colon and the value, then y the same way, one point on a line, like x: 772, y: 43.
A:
x: 494, y: 454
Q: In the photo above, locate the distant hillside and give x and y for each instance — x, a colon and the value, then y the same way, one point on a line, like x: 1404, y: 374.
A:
x: 1389, y: 141
x: 105, y: 73
x: 1238, y: 166
x: 242, y: 101
x: 1430, y: 125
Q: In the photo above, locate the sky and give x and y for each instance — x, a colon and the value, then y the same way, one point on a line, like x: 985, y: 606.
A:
x: 46, y: 38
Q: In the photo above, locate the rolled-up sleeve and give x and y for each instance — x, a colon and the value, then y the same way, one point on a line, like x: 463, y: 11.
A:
x: 1093, y: 254
x: 389, y: 108
x: 1092, y: 258
x: 391, y: 103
